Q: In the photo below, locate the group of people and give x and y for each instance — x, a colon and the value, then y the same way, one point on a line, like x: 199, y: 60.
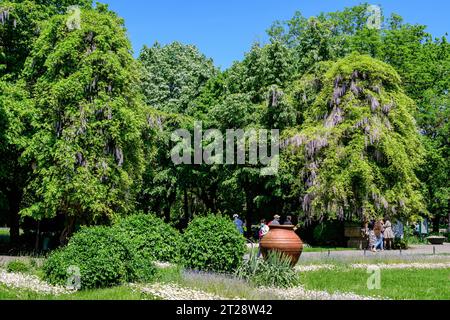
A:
x: 380, y: 235
x: 263, y: 227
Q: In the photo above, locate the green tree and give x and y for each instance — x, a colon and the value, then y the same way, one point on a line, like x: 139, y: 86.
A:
x: 359, y: 148
x: 15, y: 114
x: 86, y: 148
x: 261, y: 68
x: 21, y: 24
x: 174, y: 75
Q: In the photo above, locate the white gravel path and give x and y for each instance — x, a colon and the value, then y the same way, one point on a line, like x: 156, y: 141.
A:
x: 300, y: 293
x: 314, y: 267
x: 29, y: 282
x: 176, y: 292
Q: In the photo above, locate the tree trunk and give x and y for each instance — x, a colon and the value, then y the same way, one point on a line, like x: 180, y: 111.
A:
x: 449, y: 217
x: 38, y: 232
x: 249, y: 213
x: 14, y: 225
x: 167, y: 213
x: 14, y: 198
x: 68, y: 230
x: 185, y: 209
x: 436, y: 221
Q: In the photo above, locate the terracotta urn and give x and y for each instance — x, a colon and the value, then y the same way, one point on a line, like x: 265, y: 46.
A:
x: 283, y: 239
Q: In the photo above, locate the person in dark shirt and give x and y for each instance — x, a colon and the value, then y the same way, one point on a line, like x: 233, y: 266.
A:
x: 288, y: 221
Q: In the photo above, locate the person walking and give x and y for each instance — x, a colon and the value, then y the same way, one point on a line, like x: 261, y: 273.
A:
x: 388, y: 234
x: 239, y: 224
x: 371, y: 236
x: 378, y: 231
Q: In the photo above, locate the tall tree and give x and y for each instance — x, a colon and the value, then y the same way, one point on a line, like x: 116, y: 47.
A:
x: 359, y: 147
x: 15, y: 115
x: 86, y: 148
x: 174, y: 75
x: 21, y: 22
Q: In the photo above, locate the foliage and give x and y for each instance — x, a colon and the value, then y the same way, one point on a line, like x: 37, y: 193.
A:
x: 329, y: 233
x: 402, y: 244
x: 104, y: 257
x: 86, y: 147
x: 261, y: 68
x: 151, y: 237
x: 212, y: 243
x: 22, y: 25
x: 85, y: 129
x: 18, y: 266
x: 359, y: 146
x: 275, y: 271
x: 173, y: 75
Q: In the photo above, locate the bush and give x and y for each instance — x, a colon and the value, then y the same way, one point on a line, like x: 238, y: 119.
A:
x: 151, y: 236
x: 400, y: 244
x: 276, y: 271
x: 447, y: 235
x: 329, y: 233
x: 18, y: 266
x: 104, y: 257
x: 212, y: 243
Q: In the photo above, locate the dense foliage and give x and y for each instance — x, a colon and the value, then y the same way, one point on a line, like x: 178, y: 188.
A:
x: 329, y: 233
x: 358, y: 148
x: 212, y: 243
x: 85, y: 148
x: 174, y: 75
x: 103, y: 257
x: 151, y: 237
x: 85, y: 129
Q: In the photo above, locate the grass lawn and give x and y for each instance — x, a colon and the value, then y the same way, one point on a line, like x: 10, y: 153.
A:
x: 432, y: 284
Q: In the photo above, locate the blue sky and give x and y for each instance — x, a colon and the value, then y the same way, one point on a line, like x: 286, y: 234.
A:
x: 225, y: 29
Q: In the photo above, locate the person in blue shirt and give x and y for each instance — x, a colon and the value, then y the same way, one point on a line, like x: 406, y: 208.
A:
x: 239, y: 224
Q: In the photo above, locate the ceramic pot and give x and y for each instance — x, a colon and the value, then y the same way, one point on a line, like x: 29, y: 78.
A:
x: 283, y: 239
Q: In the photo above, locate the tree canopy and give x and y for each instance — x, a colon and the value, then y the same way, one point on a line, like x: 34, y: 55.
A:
x: 85, y: 147
x: 86, y: 129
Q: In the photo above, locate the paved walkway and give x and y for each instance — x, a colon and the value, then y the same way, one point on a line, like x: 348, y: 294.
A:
x: 415, y: 251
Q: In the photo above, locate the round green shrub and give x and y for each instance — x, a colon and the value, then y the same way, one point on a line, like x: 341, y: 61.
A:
x: 212, y: 243
x: 151, y: 237
x: 104, y: 257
